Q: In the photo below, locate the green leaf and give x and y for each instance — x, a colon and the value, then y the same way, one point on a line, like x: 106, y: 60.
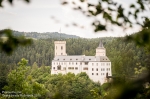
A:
x: 82, y: 0
x: 64, y: 3
x: 89, y: 5
x: 132, y: 6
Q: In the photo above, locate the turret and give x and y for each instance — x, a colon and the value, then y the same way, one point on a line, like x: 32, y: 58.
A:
x: 60, y: 48
x: 100, y: 50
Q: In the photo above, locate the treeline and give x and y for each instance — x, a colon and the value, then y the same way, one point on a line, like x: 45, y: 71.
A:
x: 44, y: 35
x: 42, y: 51
x: 125, y: 56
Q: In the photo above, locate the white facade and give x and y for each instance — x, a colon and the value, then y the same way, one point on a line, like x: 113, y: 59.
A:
x: 96, y: 66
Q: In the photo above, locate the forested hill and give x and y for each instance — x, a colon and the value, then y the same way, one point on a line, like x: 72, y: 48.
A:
x: 45, y: 35
x: 124, y: 55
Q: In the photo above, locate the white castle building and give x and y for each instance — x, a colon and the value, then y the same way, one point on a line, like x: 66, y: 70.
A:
x: 96, y: 66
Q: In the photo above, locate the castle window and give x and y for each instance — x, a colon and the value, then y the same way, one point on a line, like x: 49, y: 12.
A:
x: 58, y: 67
x: 70, y: 59
x: 53, y: 68
x: 76, y: 59
x: 63, y: 59
x: 71, y: 68
x: 76, y: 63
x: 80, y: 63
x: 96, y: 73
x: 69, y: 63
x: 102, y: 64
x: 85, y: 68
x: 97, y: 64
x: 92, y: 64
x: 76, y: 68
x: 61, y: 47
x: 89, y: 59
x: 57, y: 59
x: 92, y: 69
x: 92, y: 73
x: 86, y: 63
x: 61, y: 53
x: 96, y: 69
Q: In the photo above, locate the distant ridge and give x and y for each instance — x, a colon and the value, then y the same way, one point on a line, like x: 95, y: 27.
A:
x: 45, y: 35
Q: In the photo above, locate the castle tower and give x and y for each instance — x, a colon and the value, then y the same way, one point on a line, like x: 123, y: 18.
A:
x: 100, y: 50
x: 60, y: 48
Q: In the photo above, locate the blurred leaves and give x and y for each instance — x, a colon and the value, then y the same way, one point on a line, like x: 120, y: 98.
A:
x: 98, y: 26
x: 131, y: 89
x: 141, y: 38
x: 64, y: 3
x: 108, y: 13
x: 8, y: 42
x: 11, y: 2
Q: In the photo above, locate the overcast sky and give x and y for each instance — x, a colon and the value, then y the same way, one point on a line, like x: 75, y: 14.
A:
x: 50, y: 16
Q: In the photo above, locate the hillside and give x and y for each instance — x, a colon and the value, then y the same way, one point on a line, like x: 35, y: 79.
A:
x: 44, y: 35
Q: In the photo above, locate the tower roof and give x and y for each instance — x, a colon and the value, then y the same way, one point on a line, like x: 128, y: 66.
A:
x: 101, y: 44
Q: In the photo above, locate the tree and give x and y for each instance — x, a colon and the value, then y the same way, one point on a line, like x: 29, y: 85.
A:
x: 20, y: 83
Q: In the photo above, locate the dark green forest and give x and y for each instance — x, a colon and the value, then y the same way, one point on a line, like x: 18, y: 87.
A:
x: 32, y: 74
x: 123, y: 55
x: 45, y: 35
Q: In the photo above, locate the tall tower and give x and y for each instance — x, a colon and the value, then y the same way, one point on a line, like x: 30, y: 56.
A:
x: 100, y: 50
x: 60, y: 48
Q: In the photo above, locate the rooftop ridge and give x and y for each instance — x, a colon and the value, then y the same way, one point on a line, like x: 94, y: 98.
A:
x: 101, y: 44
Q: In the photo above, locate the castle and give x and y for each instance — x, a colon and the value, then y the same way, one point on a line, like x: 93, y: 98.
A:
x: 96, y: 67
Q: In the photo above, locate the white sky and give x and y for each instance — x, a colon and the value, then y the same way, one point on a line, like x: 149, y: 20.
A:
x: 49, y: 16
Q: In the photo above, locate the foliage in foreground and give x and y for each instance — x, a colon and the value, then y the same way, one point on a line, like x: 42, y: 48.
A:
x: 20, y: 83
x: 39, y: 84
